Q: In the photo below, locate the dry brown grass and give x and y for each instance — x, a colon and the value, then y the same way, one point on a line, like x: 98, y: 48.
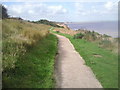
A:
x: 23, y: 31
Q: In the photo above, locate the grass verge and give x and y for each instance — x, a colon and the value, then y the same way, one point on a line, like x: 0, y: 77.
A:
x: 103, y: 62
x: 35, y: 68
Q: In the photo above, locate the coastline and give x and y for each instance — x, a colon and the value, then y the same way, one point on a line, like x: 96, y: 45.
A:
x: 109, y: 28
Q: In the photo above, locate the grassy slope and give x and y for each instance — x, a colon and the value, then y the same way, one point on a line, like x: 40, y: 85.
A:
x: 35, y: 69
x: 17, y: 36
x: 28, y: 55
x: 105, y: 68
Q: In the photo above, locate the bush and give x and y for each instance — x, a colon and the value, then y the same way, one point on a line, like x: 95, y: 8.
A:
x: 58, y: 31
x: 88, y: 35
x: 3, y: 12
x: 78, y: 36
x: 106, y: 35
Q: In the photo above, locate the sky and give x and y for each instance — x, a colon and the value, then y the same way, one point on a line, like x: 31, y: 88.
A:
x: 69, y: 11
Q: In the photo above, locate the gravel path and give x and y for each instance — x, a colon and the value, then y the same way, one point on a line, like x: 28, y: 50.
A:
x: 70, y: 68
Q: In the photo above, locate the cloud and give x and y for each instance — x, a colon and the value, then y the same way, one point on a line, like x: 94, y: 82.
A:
x: 35, y: 10
x: 78, y: 5
x: 109, y: 5
x: 56, y: 0
x: 31, y: 12
x: 57, y: 10
x: 73, y: 11
x: 80, y: 9
x: 16, y: 9
x: 99, y: 8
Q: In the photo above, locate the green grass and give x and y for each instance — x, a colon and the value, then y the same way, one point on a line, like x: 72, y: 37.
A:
x: 18, y: 35
x: 35, y: 68
x: 105, y: 67
x: 28, y: 55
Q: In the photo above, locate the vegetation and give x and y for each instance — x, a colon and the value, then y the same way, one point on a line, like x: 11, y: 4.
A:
x: 78, y: 36
x: 3, y: 12
x: 18, y: 35
x: 48, y: 23
x: 103, y: 41
x: 88, y: 35
x: 106, y: 35
x: 103, y: 62
x: 28, y: 55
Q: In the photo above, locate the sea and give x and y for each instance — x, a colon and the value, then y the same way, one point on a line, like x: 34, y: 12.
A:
x: 106, y: 27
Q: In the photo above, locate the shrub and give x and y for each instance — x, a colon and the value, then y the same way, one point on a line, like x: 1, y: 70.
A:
x: 3, y: 12
x: 58, y: 31
x: 106, y: 35
x: 78, y: 36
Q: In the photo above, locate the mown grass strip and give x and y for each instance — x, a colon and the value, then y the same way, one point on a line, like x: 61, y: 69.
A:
x: 105, y: 67
x: 35, y: 69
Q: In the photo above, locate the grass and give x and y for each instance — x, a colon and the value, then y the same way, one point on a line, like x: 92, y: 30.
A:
x: 28, y: 55
x: 103, y: 41
x: 104, y: 67
x: 17, y: 36
x: 35, y: 68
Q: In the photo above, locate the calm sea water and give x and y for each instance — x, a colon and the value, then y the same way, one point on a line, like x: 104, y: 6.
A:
x: 110, y: 28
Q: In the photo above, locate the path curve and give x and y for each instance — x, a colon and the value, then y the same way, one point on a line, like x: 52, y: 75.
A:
x: 70, y: 68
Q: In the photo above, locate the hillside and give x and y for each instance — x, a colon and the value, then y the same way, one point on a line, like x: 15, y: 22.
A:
x: 26, y: 62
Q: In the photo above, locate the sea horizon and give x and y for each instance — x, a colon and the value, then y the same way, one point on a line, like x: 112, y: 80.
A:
x: 103, y: 27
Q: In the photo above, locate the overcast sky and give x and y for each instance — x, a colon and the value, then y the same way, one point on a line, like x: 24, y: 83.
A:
x: 64, y: 11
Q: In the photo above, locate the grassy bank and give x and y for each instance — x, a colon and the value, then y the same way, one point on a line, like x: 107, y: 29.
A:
x: 103, y: 62
x: 28, y: 55
x: 35, y: 68
x: 17, y: 37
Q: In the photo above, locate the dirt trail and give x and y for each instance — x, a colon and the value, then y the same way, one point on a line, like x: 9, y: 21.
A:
x: 70, y: 68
